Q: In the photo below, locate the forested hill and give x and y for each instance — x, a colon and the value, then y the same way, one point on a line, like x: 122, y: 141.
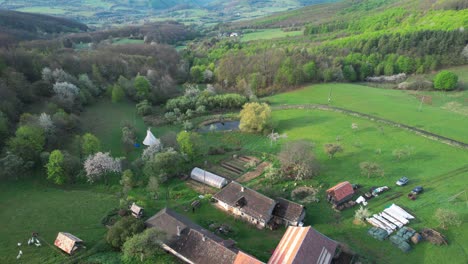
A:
x: 344, y: 41
x: 16, y: 26
x: 331, y: 14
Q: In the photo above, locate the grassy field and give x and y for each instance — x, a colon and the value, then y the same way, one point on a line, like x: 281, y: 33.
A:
x: 427, y: 166
x: 395, y: 105
x: 30, y: 206
x: 269, y: 34
x: 105, y: 119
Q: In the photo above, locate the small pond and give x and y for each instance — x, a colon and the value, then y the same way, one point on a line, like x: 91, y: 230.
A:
x: 221, y: 126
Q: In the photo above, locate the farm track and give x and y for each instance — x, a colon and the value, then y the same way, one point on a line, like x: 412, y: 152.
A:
x: 421, y: 132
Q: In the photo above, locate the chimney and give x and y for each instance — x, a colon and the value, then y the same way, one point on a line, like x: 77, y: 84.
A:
x: 178, y: 230
x: 242, y: 189
x: 204, y: 238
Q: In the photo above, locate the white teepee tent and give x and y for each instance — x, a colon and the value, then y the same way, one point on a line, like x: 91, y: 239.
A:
x: 150, y: 139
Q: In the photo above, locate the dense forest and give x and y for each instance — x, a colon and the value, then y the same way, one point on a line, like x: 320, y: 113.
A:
x: 18, y: 26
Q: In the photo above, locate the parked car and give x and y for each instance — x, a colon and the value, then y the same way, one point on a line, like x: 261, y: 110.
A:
x: 402, y: 181
x: 418, y: 189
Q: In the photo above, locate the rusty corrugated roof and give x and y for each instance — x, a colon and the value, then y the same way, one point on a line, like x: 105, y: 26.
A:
x: 303, y: 245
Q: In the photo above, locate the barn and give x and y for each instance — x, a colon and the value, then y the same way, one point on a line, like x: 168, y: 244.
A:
x: 208, y: 178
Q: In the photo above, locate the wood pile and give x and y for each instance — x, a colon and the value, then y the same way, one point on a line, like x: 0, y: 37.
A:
x: 433, y: 236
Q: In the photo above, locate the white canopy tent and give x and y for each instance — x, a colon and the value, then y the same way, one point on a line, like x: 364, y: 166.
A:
x: 208, y: 178
x: 150, y: 139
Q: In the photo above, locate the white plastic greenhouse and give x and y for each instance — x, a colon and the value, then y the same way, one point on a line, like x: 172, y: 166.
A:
x: 208, y: 178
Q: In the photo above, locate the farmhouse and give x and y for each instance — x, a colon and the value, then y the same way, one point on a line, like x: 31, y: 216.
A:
x: 304, y: 245
x: 288, y: 213
x: 67, y: 242
x: 208, y: 178
x: 340, y: 193
x: 191, y: 243
x: 246, y: 203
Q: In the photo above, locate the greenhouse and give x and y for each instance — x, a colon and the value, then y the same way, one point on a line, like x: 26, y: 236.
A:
x: 208, y: 178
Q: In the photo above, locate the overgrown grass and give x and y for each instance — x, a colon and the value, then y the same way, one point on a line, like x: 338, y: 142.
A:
x: 395, y: 105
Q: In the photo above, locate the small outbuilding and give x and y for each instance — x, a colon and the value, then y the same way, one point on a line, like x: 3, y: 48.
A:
x: 288, y: 213
x: 208, y: 178
x: 340, y: 193
x: 68, y: 242
x: 137, y: 211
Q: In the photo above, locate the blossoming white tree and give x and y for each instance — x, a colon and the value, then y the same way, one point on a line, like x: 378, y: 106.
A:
x: 66, y: 92
x: 99, y: 165
x: 46, y: 123
x: 150, y: 151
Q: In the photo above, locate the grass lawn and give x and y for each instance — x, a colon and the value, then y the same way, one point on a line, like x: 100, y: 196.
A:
x: 269, y: 34
x: 104, y: 119
x: 395, y: 105
x: 28, y: 206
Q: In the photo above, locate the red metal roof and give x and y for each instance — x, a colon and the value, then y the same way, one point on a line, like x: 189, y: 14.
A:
x: 341, y: 190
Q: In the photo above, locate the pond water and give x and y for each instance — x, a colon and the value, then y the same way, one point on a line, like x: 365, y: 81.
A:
x: 221, y: 126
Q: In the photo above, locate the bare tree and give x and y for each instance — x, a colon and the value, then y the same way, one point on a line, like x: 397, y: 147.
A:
x: 447, y: 218
x: 371, y: 168
x: 332, y: 148
x: 298, y: 161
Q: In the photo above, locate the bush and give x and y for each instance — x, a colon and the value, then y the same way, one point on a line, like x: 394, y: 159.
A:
x: 124, y: 229
x: 445, y: 80
x: 117, y: 93
x: 144, y: 108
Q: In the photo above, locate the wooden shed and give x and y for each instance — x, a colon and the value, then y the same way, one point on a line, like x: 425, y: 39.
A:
x: 137, y: 211
x: 340, y: 193
x: 68, y: 242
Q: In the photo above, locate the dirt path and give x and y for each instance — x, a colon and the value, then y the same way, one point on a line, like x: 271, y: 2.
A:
x: 253, y: 174
x: 415, y: 130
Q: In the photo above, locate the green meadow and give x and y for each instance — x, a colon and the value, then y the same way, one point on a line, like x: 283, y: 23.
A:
x: 399, y: 106
x: 269, y: 34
